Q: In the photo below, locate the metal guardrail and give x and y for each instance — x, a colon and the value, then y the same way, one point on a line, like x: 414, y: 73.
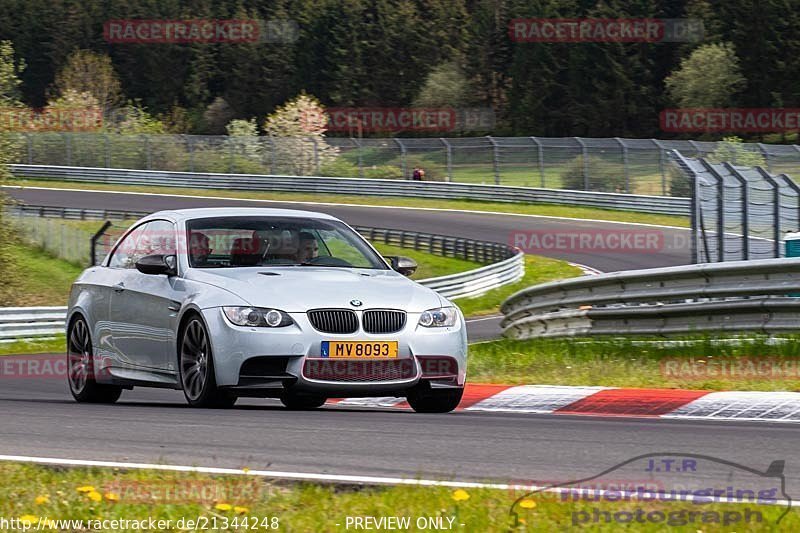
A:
x: 732, y: 296
x: 358, y: 186
x: 29, y: 322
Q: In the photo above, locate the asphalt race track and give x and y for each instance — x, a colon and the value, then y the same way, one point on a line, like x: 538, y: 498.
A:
x: 39, y: 418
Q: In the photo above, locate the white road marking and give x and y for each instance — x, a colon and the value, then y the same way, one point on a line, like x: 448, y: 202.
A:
x: 333, y: 204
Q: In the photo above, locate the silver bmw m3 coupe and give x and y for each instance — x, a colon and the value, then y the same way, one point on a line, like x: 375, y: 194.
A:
x: 232, y: 302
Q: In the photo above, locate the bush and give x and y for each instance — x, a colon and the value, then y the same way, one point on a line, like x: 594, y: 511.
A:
x: 602, y: 175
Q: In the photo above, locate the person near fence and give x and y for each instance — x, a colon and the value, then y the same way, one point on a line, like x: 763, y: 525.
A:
x: 419, y: 174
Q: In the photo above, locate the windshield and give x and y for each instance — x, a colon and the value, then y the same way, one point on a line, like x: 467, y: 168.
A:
x: 226, y: 242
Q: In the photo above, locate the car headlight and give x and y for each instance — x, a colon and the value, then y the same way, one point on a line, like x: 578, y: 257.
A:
x: 438, y: 318
x: 257, y: 316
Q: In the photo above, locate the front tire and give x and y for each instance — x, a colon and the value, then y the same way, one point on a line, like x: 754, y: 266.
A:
x: 80, y: 368
x: 423, y: 399
x: 197, y: 369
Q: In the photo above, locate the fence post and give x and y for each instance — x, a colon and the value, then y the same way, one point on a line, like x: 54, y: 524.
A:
x: 540, y: 158
x: 107, y: 144
x: 68, y: 148
x: 190, y: 149
x: 231, y: 154
x: 448, y: 158
x: 148, y: 156
x: 30, y: 147
x: 720, y: 209
x: 358, y: 159
x: 316, y: 156
x: 495, y: 160
x: 776, y: 209
x: 403, y: 163
x: 585, y: 157
x: 625, y: 164
x: 661, y: 166
x: 93, y: 242
x: 796, y: 188
x: 765, y: 154
x: 745, y: 209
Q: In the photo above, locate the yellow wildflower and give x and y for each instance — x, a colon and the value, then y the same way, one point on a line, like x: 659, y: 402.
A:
x: 460, y: 495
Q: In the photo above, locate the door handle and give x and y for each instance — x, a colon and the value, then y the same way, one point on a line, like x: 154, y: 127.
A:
x: 119, y: 287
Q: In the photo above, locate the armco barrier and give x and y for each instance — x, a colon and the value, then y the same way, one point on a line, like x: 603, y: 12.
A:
x: 731, y: 296
x: 28, y: 322
x: 357, y: 186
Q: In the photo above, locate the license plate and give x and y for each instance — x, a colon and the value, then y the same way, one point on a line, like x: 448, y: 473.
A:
x: 359, y: 350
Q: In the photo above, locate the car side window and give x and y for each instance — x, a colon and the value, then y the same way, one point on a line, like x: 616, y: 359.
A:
x: 154, y: 237
x: 124, y: 255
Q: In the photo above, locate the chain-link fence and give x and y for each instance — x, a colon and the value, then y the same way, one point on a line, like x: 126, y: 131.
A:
x: 68, y: 240
x: 739, y: 212
x: 638, y: 166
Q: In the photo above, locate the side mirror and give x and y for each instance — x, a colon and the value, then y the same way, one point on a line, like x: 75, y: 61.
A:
x: 158, y: 264
x: 405, y: 265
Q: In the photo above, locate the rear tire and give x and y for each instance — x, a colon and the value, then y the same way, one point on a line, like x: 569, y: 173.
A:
x: 196, y: 368
x: 80, y: 368
x: 423, y: 399
x: 302, y: 402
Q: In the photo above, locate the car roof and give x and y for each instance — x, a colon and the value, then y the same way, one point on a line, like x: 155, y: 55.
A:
x: 180, y: 215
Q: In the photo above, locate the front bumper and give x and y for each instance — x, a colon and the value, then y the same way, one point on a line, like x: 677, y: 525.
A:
x: 290, y: 358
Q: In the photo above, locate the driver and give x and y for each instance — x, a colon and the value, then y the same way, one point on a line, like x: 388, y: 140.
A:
x: 308, y: 248
x: 199, y: 248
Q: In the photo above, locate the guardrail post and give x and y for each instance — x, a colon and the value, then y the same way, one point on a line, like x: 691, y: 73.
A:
x: 403, y: 162
x: 776, y: 209
x: 625, y: 164
x: 358, y: 154
x: 448, y: 158
x: 585, y: 157
x: 495, y: 159
x: 540, y: 159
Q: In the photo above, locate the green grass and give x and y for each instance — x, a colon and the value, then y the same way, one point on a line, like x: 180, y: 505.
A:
x: 56, y: 493
x: 634, y: 363
x: 537, y: 270
x: 472, y: 205
x: 54, y: 345
x: 44, y: 280
x: 430, y: 266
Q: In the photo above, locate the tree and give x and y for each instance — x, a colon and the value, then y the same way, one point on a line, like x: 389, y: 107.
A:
x: 9, y: 86
x: 72, y: 111
x: 244, y: 138
x: 445, y: 86
x: 709, y: 77
x: 93, y: 73
x: 297, y: 131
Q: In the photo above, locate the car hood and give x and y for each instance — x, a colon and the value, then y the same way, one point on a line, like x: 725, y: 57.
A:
x: 297, y: 289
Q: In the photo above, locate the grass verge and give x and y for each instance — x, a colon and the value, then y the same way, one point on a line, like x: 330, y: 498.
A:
x: 755, y: 363
x: 55, y: 345
x: 551, y: 210
x: 44, y: 280
x: 537, y: 270
x: 42, y: 495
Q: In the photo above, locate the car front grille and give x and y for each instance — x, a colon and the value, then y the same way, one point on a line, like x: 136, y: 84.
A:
x: 384, y: 321
x: 333, y: 320
x: 344, y: 371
